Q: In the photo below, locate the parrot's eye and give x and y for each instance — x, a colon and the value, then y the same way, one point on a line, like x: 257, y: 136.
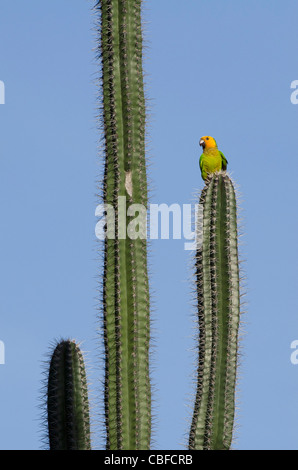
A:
x: 207, y: 138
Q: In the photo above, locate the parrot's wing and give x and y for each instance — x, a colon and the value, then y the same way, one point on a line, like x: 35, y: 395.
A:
x: 201, y: 161
x: 224, y: 161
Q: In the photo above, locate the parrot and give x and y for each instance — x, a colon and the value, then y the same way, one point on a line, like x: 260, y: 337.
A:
x: 212, y: 159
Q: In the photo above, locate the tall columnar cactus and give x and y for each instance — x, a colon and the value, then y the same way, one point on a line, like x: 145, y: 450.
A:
x: 217, y: 271
x: 125, y: 284
x: 67, y: 399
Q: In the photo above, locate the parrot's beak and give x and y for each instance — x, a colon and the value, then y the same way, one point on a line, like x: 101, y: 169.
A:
x: 202, y: 143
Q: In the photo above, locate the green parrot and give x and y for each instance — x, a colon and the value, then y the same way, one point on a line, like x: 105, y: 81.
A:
x: 212, y: 159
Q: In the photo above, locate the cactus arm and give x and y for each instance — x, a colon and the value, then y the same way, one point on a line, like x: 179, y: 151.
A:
x: 67, y: 399
x: 220, y: 264
x: 125, y: 285
x: 203, y: 276
x: 234, y: 308
x: 218, y: 303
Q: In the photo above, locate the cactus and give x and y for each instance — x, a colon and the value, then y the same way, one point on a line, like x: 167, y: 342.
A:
x: 126, y: 318
x: 217, y: 279
x: 67, y: 399
x: 125, y: 285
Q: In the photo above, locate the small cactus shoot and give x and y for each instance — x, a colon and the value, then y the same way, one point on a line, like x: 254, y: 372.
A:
x: 67, y: 399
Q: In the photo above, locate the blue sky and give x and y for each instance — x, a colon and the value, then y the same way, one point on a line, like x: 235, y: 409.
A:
x: 213, y: 67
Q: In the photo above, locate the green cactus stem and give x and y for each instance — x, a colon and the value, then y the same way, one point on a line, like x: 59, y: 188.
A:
x: 217, y: 278
x: 67, y: 399
x: 125, y: 284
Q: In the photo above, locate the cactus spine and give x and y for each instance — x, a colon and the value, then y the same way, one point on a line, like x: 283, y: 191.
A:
x: 67, y: 399
x: 217, y: 271
x: 125, y: 284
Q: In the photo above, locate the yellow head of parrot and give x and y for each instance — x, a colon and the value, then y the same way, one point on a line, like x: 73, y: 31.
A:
x: 207, y: 142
